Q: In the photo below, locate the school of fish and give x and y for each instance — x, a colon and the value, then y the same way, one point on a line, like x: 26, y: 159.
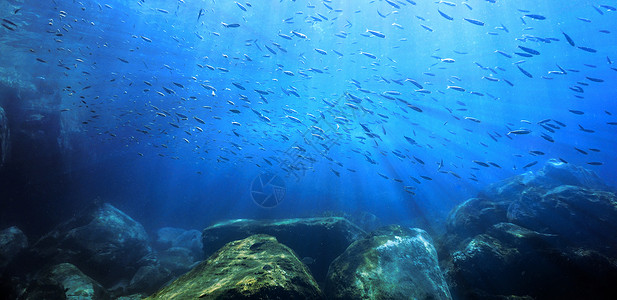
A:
x: 299, y: 85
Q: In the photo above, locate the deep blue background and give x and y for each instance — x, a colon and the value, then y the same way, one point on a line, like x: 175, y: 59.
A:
x: 161, y: 180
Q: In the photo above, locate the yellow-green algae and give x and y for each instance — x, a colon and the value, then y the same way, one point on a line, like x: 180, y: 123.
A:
x: 257, y: 267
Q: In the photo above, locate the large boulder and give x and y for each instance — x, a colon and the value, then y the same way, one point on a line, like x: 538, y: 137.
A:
x: 547, y: 235
x: 554, y: 173
x: 560, y: 199
x: 475, y: 216
x: 103, y: 242
x: 257, y: 267
x: 390, y: 263
x: 64, y: 281
x: 582, y: 217
x: 317, y: 240
x: 12, y: 241
x: 510, y: 261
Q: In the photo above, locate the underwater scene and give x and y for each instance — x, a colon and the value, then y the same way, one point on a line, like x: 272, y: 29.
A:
x: 295, y: 149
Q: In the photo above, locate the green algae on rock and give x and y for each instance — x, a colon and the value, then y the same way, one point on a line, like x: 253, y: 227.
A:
x: 393, y: 262
x: 257, y: 267
x: 331, y: 236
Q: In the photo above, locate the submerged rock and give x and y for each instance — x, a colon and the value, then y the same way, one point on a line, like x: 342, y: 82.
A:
x: 192, y: 240
x: 12, y: 241
x: 581, y: 217
x: 257, y: 267
x: 363, y: 219
x: 549, y: 235
x: 510, y: 260
x: 475, y: 216
x: 544, y: 202
x: 130, y: 297
x: 168, y: 237
x: 148, y: 278
x: 177, y: 259
x: 390, y: 263
x: 65, y: 281
x: 554, y: 173
x: 321, y: 239
x: 103, y: 242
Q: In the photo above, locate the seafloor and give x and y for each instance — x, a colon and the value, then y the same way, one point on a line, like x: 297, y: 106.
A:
x: 545, y: 235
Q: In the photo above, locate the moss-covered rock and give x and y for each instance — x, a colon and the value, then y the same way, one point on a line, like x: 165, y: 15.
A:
x: 319, y: 240
x: 257, y: 267
x: 391, y: 263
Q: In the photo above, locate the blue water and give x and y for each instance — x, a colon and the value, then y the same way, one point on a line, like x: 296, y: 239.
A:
x: 107, y: 66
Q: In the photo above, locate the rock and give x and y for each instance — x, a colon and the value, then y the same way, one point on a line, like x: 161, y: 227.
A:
x: 177, y: 259
x: 12, y: 287
x: 65, y: 281
x: 514, y: 261
x: 5, y: 137
x: 192, y: 240
x: 554, y: 173
x: 103, y: 242
x: 508, y: 189
x: 390, y: 263
x: 175, y: 237
x: 557, y: 240
x: 12, y: 241
x: 582, y: 217
x: 257, y: 267
x: 167, y: 235
x: 148, y: 279
x: 363, y: 219
x: 130, y: 297
x: 322, y: 239
x: 543, y: 203
x: 475, y: 216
